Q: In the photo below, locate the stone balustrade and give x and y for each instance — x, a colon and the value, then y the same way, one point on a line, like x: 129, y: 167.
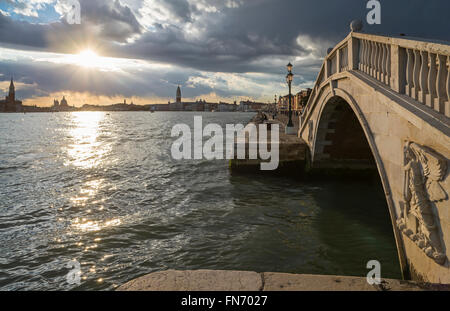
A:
x: 419, y: 69
x: 375, y: 60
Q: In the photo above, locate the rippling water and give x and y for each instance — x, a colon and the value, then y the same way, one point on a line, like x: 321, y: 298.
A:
x: 101, y: 188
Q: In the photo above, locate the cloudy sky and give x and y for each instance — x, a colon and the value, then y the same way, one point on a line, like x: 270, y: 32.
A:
x: 215, y: 49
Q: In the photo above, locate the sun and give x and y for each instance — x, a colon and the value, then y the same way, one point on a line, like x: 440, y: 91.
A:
x: 88, y: 58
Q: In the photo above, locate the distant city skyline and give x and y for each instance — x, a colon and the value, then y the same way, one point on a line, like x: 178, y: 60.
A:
x: 215, y: 50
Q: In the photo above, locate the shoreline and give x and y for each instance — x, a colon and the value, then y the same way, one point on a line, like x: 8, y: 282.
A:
x: 23, y: 112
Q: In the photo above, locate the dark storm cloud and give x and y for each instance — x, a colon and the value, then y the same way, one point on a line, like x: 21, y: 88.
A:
x: 231, y: 38
x: 179, y: 8
x: 117, y: 21
x: 102, y: 21
x: 22, y: 33
x: 227, y: 53
x: 264, y: 28
x: 42, y: 78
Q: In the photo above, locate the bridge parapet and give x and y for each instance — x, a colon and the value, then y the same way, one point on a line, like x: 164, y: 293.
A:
x: 417, y: 68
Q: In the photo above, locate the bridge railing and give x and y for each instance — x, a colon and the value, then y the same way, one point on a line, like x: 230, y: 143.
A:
x: 375, y: 60
x: 419, y: 69
x: 416, y: 68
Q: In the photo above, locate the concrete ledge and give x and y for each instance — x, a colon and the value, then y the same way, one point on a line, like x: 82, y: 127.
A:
x: 216, y: 280
x: 200, y: 280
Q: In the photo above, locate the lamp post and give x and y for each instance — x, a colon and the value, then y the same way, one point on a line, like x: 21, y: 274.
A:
x: 275, y: 108
x: 289, y: 77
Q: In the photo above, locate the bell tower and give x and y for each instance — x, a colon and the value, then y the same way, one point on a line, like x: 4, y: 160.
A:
x: 12, y: 92
x: 178, y: 95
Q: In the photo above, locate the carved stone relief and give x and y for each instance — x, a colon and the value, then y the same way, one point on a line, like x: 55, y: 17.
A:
x: 425, y: 170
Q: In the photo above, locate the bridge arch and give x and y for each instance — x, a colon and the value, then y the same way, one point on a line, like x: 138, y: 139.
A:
x: 340, y: 140
x: 339, y: 100
x: 338, y: 113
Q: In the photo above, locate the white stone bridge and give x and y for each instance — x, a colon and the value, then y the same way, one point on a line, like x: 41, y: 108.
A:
x: 384, y: 102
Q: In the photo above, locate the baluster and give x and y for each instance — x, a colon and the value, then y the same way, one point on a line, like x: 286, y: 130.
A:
x: 369, y: 58
x: 338, y: 60
x: 333, y: 64
x: 374, y: 59
x: 366, y: 57
x: 346, y: 58
x: 416, y: 74
x: 441, y: 79
x: 409, y: 73
x: 423, y: 77
x: 447, y: 104
x: 388, y: 64
x: 431, y: 80
x: 379, y: 61
x: 361, y: 53
x: 383, y: 63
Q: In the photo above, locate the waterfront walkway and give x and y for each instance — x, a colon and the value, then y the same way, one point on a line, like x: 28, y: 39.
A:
x: 292, y: 150
x: 283, y: 119
x: 218, y: 280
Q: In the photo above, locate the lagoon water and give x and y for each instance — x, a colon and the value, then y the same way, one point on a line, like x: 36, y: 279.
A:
x: 102, y: 189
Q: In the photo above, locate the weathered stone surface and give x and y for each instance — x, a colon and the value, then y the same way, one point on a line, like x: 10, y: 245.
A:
x: 213, y: 280
x: 308, y: 282
x: 201, y: 280
x: 292, y: 150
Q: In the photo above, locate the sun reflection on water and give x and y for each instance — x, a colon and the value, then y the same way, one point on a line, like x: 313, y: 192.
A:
x: 86, y: 151
x: 91, y: 225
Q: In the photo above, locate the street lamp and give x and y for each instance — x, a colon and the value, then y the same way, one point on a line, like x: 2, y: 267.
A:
x: 275, y: 106
x: 289, y: 67
x: 289, y: 77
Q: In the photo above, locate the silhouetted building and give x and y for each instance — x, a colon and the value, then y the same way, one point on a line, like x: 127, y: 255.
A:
x: 301, y: 99
x: 283, y: 103
x: 64, y: 102
x: 62, y: 105
x: 10, y: 104
x: 178, y: 95
x: 249, y: 106
x: 177, y: 105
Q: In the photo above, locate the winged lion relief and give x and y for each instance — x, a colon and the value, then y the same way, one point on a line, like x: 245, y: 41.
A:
x: 424, y: 170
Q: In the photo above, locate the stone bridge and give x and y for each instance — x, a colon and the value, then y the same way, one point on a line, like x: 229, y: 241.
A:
x: 384, y: 102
